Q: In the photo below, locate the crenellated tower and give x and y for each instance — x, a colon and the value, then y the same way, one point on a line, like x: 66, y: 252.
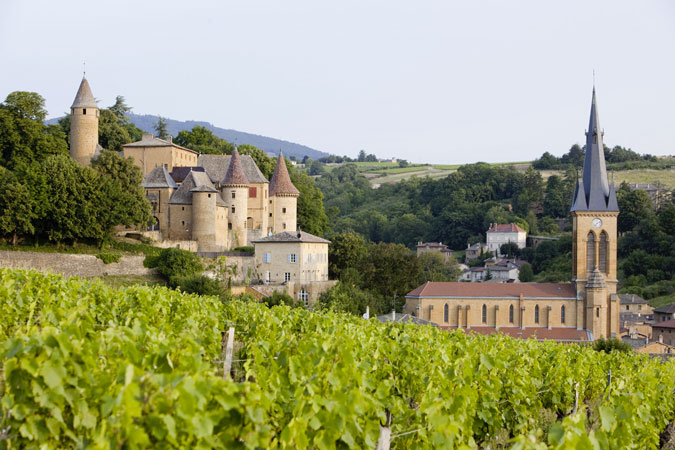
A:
x: 84, y: 114
x: 594, y: 217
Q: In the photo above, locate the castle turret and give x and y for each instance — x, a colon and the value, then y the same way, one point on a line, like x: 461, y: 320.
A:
x: 204, y: 217
x: 84, y: 125
x: 235, y: 194
x: 284, y: 197
x: 594, y: 215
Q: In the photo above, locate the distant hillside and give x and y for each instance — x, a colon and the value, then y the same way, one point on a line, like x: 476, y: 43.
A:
x: 147, y: 123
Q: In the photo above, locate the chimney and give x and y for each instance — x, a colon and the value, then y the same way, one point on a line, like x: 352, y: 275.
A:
x: 169, y: 139
x: 147, y: 136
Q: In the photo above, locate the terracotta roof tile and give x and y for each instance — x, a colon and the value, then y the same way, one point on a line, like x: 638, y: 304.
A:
x: 480, y: 290
x: 667, y: 324
x: 505, y: 228
x: 235, y: 172
x: 281, y: 182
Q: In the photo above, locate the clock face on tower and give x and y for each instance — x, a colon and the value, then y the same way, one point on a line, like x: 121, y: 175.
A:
x: 597, y: 223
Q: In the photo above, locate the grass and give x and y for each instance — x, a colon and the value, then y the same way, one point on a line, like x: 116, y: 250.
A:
x: 664, y: 300
x: 82, y: 248
x: 398, y: 170
x: 651, y: 176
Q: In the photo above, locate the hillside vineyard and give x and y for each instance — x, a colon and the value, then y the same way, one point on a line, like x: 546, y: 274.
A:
x: 84, y: 365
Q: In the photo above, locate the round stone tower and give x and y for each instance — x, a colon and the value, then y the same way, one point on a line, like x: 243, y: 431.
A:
x: 235, y: 194
x: 284, y: 198
x: 204, y: 218
x: 83, y: 125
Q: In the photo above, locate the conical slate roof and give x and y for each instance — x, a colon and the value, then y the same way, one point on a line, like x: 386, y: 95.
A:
x: 594, y: 186
x: 235, y: 173
x: 84, y: 97
x: 281, y: 184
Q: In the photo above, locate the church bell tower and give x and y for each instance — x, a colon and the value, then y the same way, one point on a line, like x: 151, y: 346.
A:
x: 594, y: 224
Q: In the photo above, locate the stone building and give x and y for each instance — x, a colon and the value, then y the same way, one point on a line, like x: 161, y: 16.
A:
x: 151, y: 152
x: 586, y: 309
x: 84, y: 114
x: 500, y: 234
x: 439, y: 247
x: 296, y: 259
x: 664, y: 332
x: 664, y: 313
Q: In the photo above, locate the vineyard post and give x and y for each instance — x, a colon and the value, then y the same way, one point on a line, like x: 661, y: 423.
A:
x: 227, y: 365
x: 385, y: 434
x: 576, y: 398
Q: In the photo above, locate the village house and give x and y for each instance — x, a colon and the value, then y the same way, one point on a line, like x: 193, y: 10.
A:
x: 500, y: 234
x: 475, y: 251
x: 664, y: 332
x: 586, y: 309
x: 664, y: 313
x: 425, y: 247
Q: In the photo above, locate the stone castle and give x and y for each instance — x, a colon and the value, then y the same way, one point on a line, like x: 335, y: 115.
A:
x: 219, y: 202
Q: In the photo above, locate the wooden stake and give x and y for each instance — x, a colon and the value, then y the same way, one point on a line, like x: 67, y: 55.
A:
x: 227, y: 365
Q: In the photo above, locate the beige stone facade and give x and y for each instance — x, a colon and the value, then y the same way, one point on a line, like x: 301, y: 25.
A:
x: 84, y: 115
x: 151, y: 152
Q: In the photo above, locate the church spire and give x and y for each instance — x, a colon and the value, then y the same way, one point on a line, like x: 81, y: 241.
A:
x: 593, y: 193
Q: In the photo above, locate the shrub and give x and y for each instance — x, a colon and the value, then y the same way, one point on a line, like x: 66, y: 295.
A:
x: 526, y: 275
x: 611, y: 345
x: 175, y: 264
x: 203, y: 285
x: 245, y: 249
x: 108, y: 258
x: 280, y: 298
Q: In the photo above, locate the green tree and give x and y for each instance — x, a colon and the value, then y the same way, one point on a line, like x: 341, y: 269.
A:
x: 556, y: 199
x: 348, y: 298
x: 281, y: 298
x: 317, y: 168
x: 311, y: 214
x: 435, y: 268
x: 264, y: 162
x: 362, y: 156
x: 344, y: 252
x: 161, y: 128
x: 175, y: 264
x: 121, y: 110
x: 17, y: 207
x: 203, y: 140
x: 526, y: 274
x: 634, y: 205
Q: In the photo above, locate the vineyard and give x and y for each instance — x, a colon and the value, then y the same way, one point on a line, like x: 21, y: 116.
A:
x: 88, y: 366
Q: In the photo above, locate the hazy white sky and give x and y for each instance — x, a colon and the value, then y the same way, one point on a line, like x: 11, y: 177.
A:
x: 429, y: 81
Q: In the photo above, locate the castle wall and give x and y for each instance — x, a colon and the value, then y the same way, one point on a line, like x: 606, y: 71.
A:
x: 83, y: 134
x: 284, y: 214
x: 73, y: 265
x: 204, y: 221
x: 180, y: 226
x: 236, y: 199
x: 147, y: 158
x: 258, y: 207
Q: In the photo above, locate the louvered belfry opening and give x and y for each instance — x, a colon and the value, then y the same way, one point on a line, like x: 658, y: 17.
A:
x: 602, y: 252
x: 590, y: 252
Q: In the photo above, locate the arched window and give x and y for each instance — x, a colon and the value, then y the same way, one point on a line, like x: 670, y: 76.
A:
x: 446, y: 313
x: 590, y: 252
x: 484, y: 315
x: 536, y: 314
x: 511, y: 314
x: 562, y: 314
x: 602, y: 252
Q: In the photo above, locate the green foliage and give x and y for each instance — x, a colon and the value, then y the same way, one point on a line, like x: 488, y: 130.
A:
x: 17, y: 206
x: 86, y: 365
x: 161, y: 128
x: 175, y: 264
x: 203, y: 140
x: 526, y: 275
x: 311, y: 214
x: 611, y: 345
x: 634, y: 205
x: 344, y: 252
x: 108, y: 257
x: 281, y: 298
x: 346, y: 297
x: 245, y: 249
x: 23, y: 135
x: 202, y: 285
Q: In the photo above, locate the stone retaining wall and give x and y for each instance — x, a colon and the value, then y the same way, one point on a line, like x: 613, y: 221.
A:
x: 73, y: 265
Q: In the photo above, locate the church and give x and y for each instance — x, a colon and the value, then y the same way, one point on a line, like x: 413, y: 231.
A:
x: 209, y: 203
x: 583, y: 310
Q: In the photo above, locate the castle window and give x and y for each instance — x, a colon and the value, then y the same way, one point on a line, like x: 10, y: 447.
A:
x: 287, y: 276
x: 182, y: 208
x: 182, y: 222
x: 511, y: 314
x: 252, y: 192
x: 304, y: 297
x: 229, y: 226
x: 292, y: 258
x: 446, y: 312
x: 284, y: 225
x: 597, y: 312
x: 233, y: 210
x: 627, y: 308
x: 536, y: 314
x: 234, y: 194
x: 484, y: 314
x: 283, y: 210
x: 590, y: 252
x: 84, y: 111
x: 209, y: 195
x: 267, y: 257
x: 270, y: 214
x: 562, y: 314
x: 602, y: 252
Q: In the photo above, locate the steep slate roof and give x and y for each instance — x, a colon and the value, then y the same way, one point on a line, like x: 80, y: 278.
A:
x: 217, y: 165
x: 180, y: 172
x: 84, y: 98
x: 149, y: 140
x: 668, y: 309
x: 631, y: 299
x: 194, y: 182
x: 281, y: 182
x: 235, y: 172
x: 667, y: 324
x: 594, y: 193
x: 505, y: 228
x: 445, y: 289
x: 159, y: 177
x: 293, y: 236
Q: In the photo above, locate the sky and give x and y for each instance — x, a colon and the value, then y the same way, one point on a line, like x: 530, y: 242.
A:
x: 428, y: 81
